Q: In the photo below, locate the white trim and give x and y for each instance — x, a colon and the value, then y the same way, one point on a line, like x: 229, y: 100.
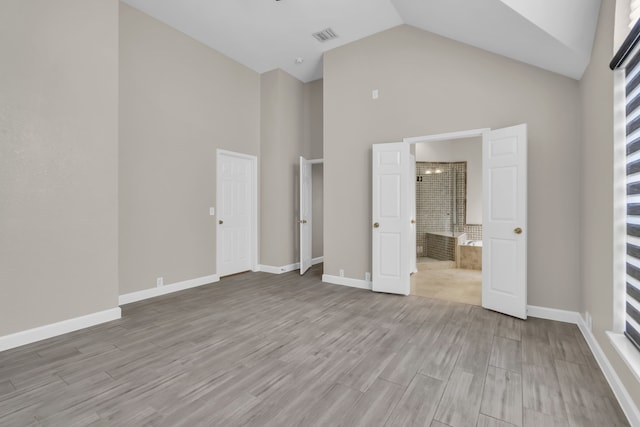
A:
x: 554, y: 314
x: 622, y: 395
x: 347, y: 281
x: 627, y: 351
x: 254, y: 205
x: 446, y: 136
x: 286, y: 268
x: 316, y: 161
x: 167, y: 289
x: 54, y: 329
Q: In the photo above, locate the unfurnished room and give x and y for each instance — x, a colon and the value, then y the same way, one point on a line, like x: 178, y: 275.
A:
x: 320, y: 212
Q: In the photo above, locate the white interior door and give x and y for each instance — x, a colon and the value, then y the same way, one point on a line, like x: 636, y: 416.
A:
x: 391, y: 218
x: 504, y: 229
x: 234, y: 230
x: 305, y: 221
x: 414, y: 226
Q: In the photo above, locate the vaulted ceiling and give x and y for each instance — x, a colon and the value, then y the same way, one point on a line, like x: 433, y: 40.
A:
x: 269, y: 34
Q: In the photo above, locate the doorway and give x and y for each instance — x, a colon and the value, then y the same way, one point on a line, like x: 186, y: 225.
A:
x: 311, y: 214
x: 448, y: 220
x: 504, y: 216
x: 237, y: 201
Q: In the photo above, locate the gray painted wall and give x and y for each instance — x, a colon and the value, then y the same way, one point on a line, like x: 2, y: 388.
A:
x: 291, y: 126
x: 596, y: 219
x: 282, y: 135
x: 428, y: 85
x: 179, y: 102
x: 314, y: 142
x: 58, y: 160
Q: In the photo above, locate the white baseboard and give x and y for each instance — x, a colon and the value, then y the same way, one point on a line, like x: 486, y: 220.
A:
x: 54, y: 329
x: 167, y: 289
x: 346, y: 281
x: 554, y: 314
x: 626, y: 402
x: 286, y: 268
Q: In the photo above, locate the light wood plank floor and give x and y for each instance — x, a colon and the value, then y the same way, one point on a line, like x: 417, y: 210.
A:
x: 266, y: 350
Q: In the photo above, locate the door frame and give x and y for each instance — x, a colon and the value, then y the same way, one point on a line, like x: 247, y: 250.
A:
x: 254, y: 203
x: 446, y: 136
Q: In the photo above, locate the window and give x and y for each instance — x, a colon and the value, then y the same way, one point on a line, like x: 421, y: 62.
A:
x: 628, y: 58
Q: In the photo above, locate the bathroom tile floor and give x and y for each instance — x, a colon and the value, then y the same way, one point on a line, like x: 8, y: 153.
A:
x: 423, y: 260
x: 453, y: 284
x: 434, y: 264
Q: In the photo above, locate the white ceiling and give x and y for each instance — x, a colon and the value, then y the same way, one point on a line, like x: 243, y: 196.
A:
x: 556, y: 35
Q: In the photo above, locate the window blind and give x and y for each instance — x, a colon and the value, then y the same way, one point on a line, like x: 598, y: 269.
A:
x: 632, y: 90
x: 628, y: 58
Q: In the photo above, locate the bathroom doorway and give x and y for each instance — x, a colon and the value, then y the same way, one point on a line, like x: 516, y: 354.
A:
x: 504, y: 216
x: 448, y: 220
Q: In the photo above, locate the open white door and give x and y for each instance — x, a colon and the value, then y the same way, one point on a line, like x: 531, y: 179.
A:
x: 305, y: 214
x: 504, y: 229
x: 391, y: 218
x: 414, y: 227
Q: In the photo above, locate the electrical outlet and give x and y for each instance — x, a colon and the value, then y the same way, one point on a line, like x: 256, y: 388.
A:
x: 159, y: 282
x: 341, y: 272
x: 212, y: 211
x: 367, y: 276
x: 375, y: 94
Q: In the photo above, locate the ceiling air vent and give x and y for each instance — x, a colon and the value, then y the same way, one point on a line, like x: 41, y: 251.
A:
x: 324, y: 35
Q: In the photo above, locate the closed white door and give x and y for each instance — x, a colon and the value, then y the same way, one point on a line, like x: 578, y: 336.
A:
x: 504, y: 229
x: 305, y: 220
x: 391, y: 218
x: 234, y: 228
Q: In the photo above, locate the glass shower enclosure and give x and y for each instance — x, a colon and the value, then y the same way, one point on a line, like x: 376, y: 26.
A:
x: 441, y: 204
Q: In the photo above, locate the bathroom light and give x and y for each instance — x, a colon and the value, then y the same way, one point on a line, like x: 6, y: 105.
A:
x: 438, y: 171
x: 428, y: 172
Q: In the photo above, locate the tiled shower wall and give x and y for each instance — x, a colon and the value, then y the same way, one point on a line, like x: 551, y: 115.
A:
x: 435, y: 207
x: 442, y: 248
x: 474, y: 231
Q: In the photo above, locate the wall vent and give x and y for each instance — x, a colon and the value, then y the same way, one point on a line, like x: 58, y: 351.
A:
x: 324, y: 35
